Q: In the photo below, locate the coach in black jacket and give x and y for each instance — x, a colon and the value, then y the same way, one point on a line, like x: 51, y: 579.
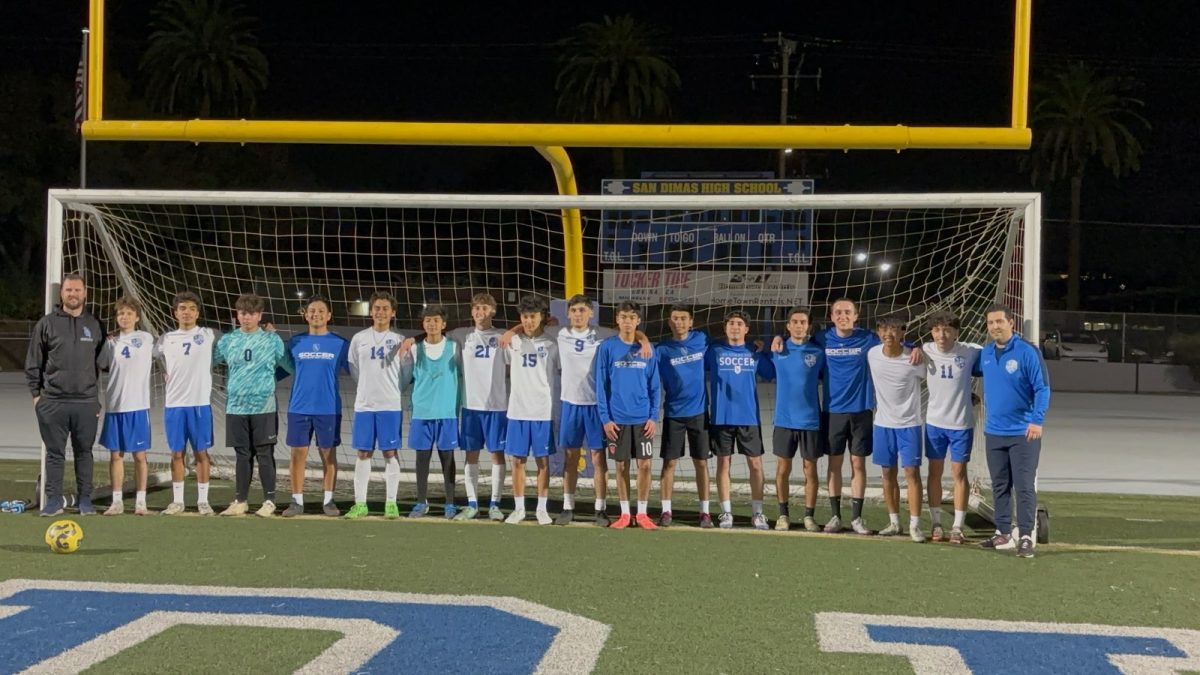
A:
x: 63, y: 370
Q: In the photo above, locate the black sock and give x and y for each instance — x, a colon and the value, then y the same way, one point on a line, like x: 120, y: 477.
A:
x: 810, y: 511
x: 783, y: 509
x: 424, y: 459
x: 835, y: 503
x: 856, y: 506
x: 448, y: 470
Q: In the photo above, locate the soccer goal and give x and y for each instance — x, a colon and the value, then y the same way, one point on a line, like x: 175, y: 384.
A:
x: 907, y: 254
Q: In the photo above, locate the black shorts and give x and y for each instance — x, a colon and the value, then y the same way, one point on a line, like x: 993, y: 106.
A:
x: 251, y: 431
x: 787, y: 442
x: 855, y: 429
x: 678, y: 431
x: 631, y: 443
x: 748, y: 440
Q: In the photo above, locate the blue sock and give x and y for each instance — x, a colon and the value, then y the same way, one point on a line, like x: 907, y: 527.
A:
x: 495, y: 503
x: 473, y: 504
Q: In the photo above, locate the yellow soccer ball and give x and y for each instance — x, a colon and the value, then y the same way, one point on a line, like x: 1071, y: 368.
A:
x: 64, y: 536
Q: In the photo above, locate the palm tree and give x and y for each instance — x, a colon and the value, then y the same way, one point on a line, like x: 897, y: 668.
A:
x: 203, y: 60
x: 1080, y: 115
x: 615, y: 72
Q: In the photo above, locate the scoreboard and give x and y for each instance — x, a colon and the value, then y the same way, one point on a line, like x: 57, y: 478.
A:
x: 740, y: 238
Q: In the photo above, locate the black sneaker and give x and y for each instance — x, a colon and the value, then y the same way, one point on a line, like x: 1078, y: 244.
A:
x: 1025, y: 548
x: 996, y: 541
x: 565, y: 517
x: 601, y: 519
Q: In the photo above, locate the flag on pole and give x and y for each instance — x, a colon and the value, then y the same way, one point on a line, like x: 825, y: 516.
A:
x: 80, y: 97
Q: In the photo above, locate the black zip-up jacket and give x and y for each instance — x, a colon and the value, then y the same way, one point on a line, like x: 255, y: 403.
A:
x: 65, y: 357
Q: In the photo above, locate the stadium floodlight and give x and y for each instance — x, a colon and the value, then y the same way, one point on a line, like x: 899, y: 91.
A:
x: 860, y: 257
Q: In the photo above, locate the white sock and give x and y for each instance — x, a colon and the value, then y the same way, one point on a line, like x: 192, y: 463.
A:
x: 177, y: 491
x: 756, y: 506
x: 894, y: 518
x: 666, y: 505
x: 960, y: 517
x: 471, y: 483
x: 298, y: 497
x: 542, y: 503
x: 362, y: 478
x: 600, y: 504
x: 642, y: 506
x: 202, y: 493
x: 726, y: 506
x: 117, y: 497
x: 935, y: 515
x: 497, y: 482
x: 391, y: 477
x: 914, y: 522
x: 704, y: 506
x: 625, y: 508
x: 328, y: 496
x: 141, y: 498
x: 568, y: 502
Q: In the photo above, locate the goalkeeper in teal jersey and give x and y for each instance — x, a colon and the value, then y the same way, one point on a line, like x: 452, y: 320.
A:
x: 252, y: 356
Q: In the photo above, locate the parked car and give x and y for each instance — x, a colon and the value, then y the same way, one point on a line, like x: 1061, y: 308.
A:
x: 1074, y: 347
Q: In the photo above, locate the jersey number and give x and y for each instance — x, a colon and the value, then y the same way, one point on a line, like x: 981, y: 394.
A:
x: 125, y: 351
x: 579, y: 345
x: 647, y: 449
x: 187, y: 348
x: 377, y: 353
x: 483, y: 352
x: 529, y: 360
x: 248, y: 355
x: 947, y: 372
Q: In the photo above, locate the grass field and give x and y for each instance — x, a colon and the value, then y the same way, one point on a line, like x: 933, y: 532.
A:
x: 678, y: 601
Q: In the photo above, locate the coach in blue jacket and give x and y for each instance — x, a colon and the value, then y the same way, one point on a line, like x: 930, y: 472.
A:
x: 1017, y: 394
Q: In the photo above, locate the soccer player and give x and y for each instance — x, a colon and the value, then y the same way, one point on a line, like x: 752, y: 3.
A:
x: 127, y: 403
x: 435, y: 398
x: 733, y: 392
x: 685, y: 414
x: 1017, y: 395
x: 897, y: 423
x: 187, y: 358
x: 534, y: 375
x: 627, y: 394
x: 252, y: 356
x: 950, y: 418
x: 315, y: 406
x: 797, y: 370
x: 484, y: 417
x: 378, y: 369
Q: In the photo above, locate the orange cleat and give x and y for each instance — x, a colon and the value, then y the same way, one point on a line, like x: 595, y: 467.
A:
x: 621, y: 523
x: 644, y: 522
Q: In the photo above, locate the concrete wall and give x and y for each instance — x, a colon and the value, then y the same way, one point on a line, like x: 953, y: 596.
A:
x: 1129, y: 378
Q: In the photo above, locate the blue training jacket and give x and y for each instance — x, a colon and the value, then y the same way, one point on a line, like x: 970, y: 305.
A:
x: 1016, y: 388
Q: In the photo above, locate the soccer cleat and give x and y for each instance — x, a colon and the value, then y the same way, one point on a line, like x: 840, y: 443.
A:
x: 783, y: 524
x: 664, y: 519
x: 916, y: 535
x: 236, y: 509
x: 1025, y: 548
x: 140, y: 510
x: 860, y: 527
x: 467, y: 513
x: 706, y: 521
x: 997, y: 542
x: 116, y: 509
x: 419, y: 510
x: 565, y: 517
x: 1011, y: 544
x: 293, y: 510
x: 891, y: 530
x: 53, y: 507
x: 938, y: 534
x: 810, y: 524
x: 391, y: 510
x: 956, y: 536
x: 86, y: 508
x: 515, y: 517
x: 357, y: 511
x: 268, y: 509
x: 602, y: 519
x: 623, y: 522
x: 759, y: 522
x: 834, y: 525
x: 725, y: 521
x: 204, y: 509
x: 174, y: 508
x: 494, y: 513
x: 643, y: 521
x: 543, y: 517
x: 449, y: 511
x: 330, y: 509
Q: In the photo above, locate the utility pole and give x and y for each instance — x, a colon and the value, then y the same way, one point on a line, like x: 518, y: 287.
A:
x: 785, y: 49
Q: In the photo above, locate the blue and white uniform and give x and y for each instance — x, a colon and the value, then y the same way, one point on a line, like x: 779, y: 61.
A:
x: 534, y: 375
x: 379, y: 371
x: 580, y: 425
x: 897, y: 430
x: 187, y: 358
x: 127, y: 392
x: 483, y: 421
x: 950, y: 415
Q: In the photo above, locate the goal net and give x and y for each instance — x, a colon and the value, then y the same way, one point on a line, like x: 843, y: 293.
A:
x: 762, y: 253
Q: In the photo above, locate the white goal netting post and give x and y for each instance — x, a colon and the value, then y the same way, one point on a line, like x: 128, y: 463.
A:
x: 894, y: 254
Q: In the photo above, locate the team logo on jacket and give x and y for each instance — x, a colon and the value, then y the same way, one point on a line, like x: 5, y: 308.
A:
x: 1011, y: 366
x: 810, y: 360
x: 493, y: 342
x: 960, y: 363
x: 136, y: 342
x: 389, y: 343
x: 87, y: 334
x: 198, y: 338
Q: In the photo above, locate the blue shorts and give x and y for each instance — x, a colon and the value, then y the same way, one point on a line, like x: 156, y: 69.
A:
x: 189, y: 424
x: 423, y: 435
x: 530, y: 436
x: 126, y: 431
x: 302, y: 428
x: 957, y: 441
x: 376, y: 429
x: 889, y: 444
x: 580, y: 427
x: 483, y: 428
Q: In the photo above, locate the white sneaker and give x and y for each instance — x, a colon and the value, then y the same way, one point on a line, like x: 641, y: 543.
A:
x: 860, y: 527
x: 891, y: 530
x: 175, y: 508
x: 202, y: 508
x: 834, y: 525
x: 236, y: 509
x: 1010, y: 545
x: 782, y: 524
x: 543, y: 517
x: 140, y: 510
x: 515, y: 517
x: 116, y: 509
x: 916, y: 535
x: 267, y: 510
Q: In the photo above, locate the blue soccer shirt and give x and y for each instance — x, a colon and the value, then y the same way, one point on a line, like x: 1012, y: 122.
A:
x: 681, y: 367
x: 733, y: 384
x: 798, y: 369
x: 627, y: 387
x: 848, y: 378
x: 317, y: 360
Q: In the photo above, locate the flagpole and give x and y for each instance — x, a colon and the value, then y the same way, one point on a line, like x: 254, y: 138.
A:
x: 81, y: 99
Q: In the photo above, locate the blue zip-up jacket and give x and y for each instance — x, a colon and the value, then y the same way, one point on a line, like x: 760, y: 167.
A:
x: 733, y: 379
x: 681, y: 366
x: 627, y: 388
x: 1016, y: 388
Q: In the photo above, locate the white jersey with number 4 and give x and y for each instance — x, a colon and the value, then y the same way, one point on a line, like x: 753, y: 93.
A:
x: 533, y: 368
x: 127, y: 388
x: 483, y: 368
x: 187, y: 357
x: 376, y: 365
x: 577, y: 349
x: 897, y: 388
x: 949, y: 381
